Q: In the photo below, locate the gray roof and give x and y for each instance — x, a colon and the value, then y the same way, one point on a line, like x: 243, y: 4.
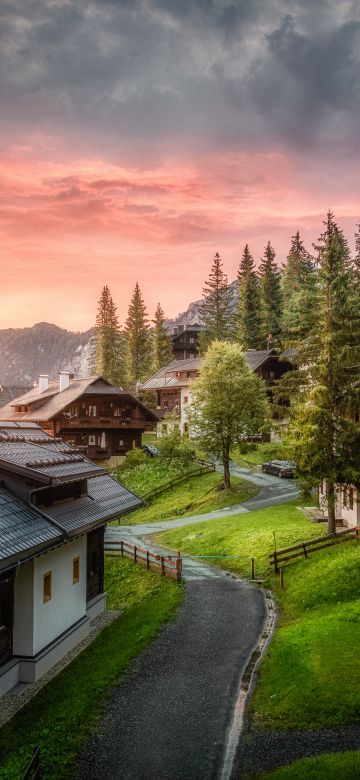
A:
x: 9, y: 392
x: 31, y: 451
x: 166, y: 377
x: 22, y: 528
x: 26, y: 530
x: 106, y: 499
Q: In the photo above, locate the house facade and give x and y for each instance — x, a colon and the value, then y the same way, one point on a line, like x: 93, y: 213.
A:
x: 347, y: 504
x: 90, y: 414
x: 185, y: 341
x: 172, y: 385
x: 54, y: 504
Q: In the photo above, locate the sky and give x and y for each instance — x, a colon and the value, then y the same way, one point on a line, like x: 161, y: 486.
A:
x: 139, y: 137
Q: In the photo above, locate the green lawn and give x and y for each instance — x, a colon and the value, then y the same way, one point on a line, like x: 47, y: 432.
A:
x: 310, y: 676
x: 261, y: 453
x: 152, y: 473
x: 63, y: 714
x: 193, y: 496
x: 245, y: 535
x: 333, y: 766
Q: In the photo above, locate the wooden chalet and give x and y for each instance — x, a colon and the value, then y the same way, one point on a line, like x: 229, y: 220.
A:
x: 89, y: 414
x: 185, y: 341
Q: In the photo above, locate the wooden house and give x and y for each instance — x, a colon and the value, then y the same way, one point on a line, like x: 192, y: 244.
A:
x: 89, y: 414
x: 185, y: 341
x: 54, y: 504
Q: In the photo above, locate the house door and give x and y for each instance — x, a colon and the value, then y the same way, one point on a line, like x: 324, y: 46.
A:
x: 95, y: 563
x: 6, y: 617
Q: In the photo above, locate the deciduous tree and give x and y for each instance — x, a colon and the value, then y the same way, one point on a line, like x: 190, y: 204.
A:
x: 228, y: 402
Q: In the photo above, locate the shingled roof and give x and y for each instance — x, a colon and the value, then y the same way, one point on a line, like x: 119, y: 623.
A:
x: 53, y: 401
x: 166, y: 377
x: 25, y: 530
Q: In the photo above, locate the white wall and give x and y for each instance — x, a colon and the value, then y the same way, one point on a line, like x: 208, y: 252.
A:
x: 24, y: 610
x: 68, y: 602
x: 351, y: 517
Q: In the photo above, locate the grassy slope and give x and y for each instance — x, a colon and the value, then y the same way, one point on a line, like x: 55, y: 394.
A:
x: 246, y: 535
x: 310, y: 676
x: 335, y: 766
x: 193, y: 496
x: 66, y: 710
x: 262, y: 452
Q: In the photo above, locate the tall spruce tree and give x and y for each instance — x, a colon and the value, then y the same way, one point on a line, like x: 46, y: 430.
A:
x: 271, y: 300
x: 357, y: 250
x: 108, y: 346
x: 298, y: 285
x: 248, y: 321
x: 161, y: 341
x: 323, y: 433
x: 138, y: 339
x: 216, y: 310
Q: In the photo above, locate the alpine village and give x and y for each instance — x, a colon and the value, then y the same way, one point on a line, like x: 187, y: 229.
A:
x: 173, y: 531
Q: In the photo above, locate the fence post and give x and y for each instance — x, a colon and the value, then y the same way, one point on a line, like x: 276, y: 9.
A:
x: 252, y: 568
x: 135, y: 548
x: 147, y: 560
x: 178, y: 567
x: 122, y: 548
x: 276, y: 563
x: 162, y: 566
x: 282, y: 578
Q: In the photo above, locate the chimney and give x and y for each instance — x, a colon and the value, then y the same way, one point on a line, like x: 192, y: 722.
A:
x: 43, y: 383
x: 64, y: 380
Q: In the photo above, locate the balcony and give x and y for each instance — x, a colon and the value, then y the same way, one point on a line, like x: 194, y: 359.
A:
x: 104, y: 422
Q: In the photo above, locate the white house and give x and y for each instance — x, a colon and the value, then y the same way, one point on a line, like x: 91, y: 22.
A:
x: 347, y: 506
x: 54, y: 504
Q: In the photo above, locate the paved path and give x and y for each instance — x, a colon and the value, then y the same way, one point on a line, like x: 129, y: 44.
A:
x: 173, y: 715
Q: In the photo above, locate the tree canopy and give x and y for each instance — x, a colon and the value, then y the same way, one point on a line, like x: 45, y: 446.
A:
x: 228, y: 402
x: 217, y: 307
x: 248, y: 316
x: 107, y: 345
x: 138, y: 339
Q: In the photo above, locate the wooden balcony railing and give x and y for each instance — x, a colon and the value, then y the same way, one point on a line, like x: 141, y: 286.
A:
x: 102, y: 422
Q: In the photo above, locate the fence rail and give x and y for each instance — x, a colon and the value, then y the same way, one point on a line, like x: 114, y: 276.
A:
x: 279, y: 558
x: 33, y: 769
x: 205, y: 468
x: 168, y: 566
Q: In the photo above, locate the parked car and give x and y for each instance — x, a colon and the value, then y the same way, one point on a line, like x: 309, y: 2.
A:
x: 280, y: 468
x: 151, y: 450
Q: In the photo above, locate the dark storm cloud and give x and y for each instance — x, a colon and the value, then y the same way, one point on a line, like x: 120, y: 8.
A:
x: 154, y: 73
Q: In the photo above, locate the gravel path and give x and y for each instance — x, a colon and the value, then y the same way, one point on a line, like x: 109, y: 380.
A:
x: 170, y: 717
x: 264, y: 750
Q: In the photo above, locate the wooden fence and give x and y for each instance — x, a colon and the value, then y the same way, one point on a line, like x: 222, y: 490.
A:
x: 168, y: 566
x: 33, y: 770
x: 279, y: 558
x: 204, y: 468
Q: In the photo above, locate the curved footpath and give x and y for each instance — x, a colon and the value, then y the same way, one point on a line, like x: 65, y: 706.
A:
x: 175, y: 716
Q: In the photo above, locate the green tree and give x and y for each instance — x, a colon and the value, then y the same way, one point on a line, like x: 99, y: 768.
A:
x: 357, y: 250
x: 323, y: 433
x: 216, y: 310
x: 298, y: 285
x: 228, y: 402
x: 108, y: 345
x: 161, y: 341
x: 138, y: 339
x: 248, y: 309
x: 270, y: 295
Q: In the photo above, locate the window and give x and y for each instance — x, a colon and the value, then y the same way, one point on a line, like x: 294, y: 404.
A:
x: 121, y: 442
x: 47, y: 587
x: 186, y: 399
x: 91, y: 411
x: 76, y: 570
x: 191, y: 341
x: 92, y: 439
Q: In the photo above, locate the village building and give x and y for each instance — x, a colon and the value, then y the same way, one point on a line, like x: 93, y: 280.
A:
x: 185, y: 341
x: 9, y: 392
x: 172, y: 385
x: 54, y: 504
x: 90, y: 414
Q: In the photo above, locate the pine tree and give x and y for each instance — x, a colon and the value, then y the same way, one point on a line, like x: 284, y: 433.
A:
x: 216, y: 310
x: 248, y: 310
x: 357, y: 250
x: 161, y: 341
x: 298, y: 285
x: 108, y: 346
x: 323, y: 432
x: 271, y: 301
x: 138, y: 339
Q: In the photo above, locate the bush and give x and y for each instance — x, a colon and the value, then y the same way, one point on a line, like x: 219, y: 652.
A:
x: 134, y: 458
x: 173, y: 447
